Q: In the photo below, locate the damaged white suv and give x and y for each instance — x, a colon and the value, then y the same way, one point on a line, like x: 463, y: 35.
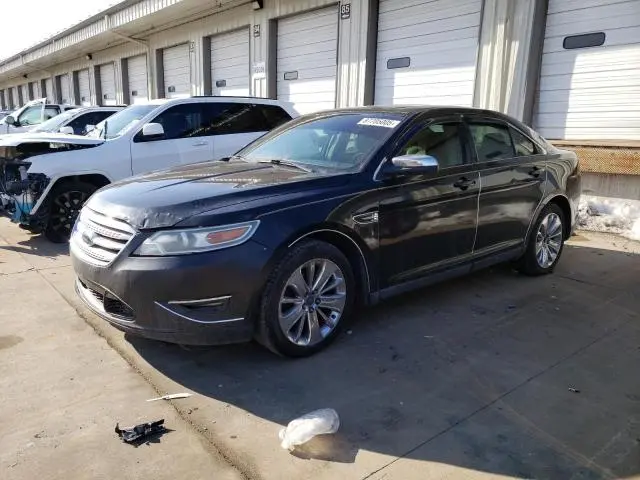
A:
x: 46, y: 178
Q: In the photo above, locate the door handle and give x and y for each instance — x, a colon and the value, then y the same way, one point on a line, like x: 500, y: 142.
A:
x: 535, y: 171
x: 464, y: 183
x: 199, y: 144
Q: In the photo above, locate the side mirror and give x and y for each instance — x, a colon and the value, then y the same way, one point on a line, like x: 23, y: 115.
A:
x: 152, y: 130
x: 10, y: 120
x: 414, y: 165
x: 66, y: 130
x: 89, y: 128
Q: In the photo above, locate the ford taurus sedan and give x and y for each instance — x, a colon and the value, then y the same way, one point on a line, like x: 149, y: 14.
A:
x: 283, y: 241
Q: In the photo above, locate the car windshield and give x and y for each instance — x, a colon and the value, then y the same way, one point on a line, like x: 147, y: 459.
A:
x: 342, y: 141
x: 122, y: 121
x: 54, y: 124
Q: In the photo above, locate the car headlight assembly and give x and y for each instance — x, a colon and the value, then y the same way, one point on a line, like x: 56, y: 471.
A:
x: 196, y: 240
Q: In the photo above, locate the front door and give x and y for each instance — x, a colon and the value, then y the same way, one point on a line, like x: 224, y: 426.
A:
x: 429, y: 223
x: 184, y: 140
x: 512, y: 173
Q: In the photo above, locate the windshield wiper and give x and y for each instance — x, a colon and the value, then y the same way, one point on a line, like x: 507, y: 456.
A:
x: 286, y: 163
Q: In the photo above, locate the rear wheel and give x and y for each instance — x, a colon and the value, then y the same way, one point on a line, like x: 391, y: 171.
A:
x: 545, y: 242
x: 307, y: 300
x: 66, y: 201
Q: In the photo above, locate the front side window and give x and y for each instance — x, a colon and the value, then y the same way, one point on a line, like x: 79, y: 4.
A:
x: 341, y: 141
x: 492, y: 141
x: 54, y: 124
x: 35, y: 115
x: 182, y: 121
x: 439, y: 140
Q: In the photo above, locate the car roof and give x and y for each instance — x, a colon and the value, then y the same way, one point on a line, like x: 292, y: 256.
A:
x: 413, y: 110
x: 216, y: 98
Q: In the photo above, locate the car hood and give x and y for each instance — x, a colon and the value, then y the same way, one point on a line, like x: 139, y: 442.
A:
x: 165, y: 198
x: 15, y: 139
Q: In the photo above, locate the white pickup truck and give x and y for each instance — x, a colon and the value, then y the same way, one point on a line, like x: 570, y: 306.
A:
x: 46, y: 178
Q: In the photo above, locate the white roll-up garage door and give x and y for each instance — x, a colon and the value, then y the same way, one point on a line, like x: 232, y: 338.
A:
x: 48, y: 85
x: 307, y: 59
x: 589, y: 84
x: 84, y: 87
x: 427, y: 51
x: 35, y: 88
x: 65, y: 90
x: 108, y: 84
x: 137, y: 76
x: 230, y: 63
x: 177, y: 71
x: 24, y: 94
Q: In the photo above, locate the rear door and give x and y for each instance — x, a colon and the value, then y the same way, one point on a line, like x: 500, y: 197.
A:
x: 512, y: 172
x: 428, y: 223
x: 235, y: 125
x: 184, y: 140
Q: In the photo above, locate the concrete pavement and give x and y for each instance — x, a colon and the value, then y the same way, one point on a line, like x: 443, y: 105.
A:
x: 469, y: 379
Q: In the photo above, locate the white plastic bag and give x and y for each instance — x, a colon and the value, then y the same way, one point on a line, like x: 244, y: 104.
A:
x: 304, y: 428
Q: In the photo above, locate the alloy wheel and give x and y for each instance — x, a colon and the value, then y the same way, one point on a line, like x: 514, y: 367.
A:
x: 549, y: 240
x: 65, y: 210
x: 312, y: 302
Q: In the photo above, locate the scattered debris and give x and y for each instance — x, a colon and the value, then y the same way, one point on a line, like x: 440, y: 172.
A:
x: 304, y: 428
x: 574, y: 390
x: 511, y: 307
x: 140, y: 432
x: 349, y: 332
x: 172, y: 396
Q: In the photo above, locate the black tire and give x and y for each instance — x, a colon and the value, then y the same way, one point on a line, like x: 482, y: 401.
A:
x: 529, y: 263
x: 268, y: 331
x: 65, y: 201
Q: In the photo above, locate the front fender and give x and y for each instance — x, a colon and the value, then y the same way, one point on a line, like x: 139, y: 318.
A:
x: 61, y: 176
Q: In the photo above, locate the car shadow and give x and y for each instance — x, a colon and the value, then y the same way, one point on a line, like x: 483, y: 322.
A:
x: 476, y: 372
x: 37, y: 245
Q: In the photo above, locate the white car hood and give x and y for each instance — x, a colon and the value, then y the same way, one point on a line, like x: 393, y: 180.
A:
x: 14, y: 140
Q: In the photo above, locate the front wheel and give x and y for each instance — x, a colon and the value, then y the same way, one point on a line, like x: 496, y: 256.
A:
x: 307, y: 300
x: 545, y: 242
x: 65, y: 205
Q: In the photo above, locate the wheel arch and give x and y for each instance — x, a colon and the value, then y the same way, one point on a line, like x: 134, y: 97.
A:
x: 98, y: 179
x: 358, y: 255
x: 565, y: 205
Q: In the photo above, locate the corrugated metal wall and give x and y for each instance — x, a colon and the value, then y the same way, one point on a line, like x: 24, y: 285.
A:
x: 352, y: 43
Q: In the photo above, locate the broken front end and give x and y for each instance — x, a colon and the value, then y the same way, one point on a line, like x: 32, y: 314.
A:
x: 19, y: 189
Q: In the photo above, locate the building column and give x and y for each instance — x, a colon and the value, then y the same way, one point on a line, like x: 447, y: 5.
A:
x: 511, y: 41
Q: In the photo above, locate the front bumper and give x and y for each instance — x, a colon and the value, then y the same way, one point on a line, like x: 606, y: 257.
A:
x: 201, y: 299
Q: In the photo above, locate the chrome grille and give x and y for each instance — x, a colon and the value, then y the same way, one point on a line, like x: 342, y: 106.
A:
x: 99, y: 238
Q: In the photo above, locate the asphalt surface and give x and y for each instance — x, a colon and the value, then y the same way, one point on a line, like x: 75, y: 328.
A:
x: 494, y: 375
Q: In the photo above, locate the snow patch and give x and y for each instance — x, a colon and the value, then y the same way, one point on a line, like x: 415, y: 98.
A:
x: 610, y: 215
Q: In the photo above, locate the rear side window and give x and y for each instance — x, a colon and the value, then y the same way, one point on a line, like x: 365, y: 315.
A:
x: 523, y: 145
x: 92, y: 118
x: 274, y: 116
x: 235, y: 118
x: 492, y: 141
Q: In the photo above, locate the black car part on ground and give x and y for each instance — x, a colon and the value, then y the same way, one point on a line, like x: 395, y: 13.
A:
x: 140, y: 432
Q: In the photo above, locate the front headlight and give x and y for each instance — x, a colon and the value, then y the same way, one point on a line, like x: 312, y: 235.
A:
x: 196, y: 240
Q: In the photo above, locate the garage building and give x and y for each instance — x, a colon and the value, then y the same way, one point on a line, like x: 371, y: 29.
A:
x: 568, y: 67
